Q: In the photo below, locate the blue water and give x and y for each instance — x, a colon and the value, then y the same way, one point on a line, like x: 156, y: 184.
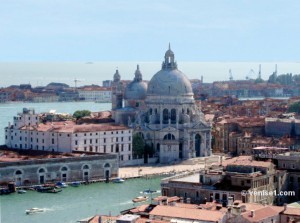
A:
x: 9, y: 110
x: 73, y: 204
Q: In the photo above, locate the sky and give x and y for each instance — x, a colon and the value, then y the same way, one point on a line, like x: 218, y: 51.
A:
x: 140, y: 30
x: 39, y: 39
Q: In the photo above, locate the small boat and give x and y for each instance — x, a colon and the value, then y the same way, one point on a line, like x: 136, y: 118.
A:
x: 148, y: 191
x: 54, y: 190
x: 21, y: 191
x: 34, y: 210
x: 118, y: 180
x: 61, y: 184
x: 140, y: 199
x: 75, y: 184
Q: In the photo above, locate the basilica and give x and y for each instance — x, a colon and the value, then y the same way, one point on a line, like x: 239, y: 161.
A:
x: 163, y: 112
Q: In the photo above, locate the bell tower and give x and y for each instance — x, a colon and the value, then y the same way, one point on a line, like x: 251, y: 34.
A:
x: 169, y: 63
x: 117, y: 91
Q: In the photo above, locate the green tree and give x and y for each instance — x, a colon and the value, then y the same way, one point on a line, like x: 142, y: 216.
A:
x: 81, y: 113
x: 138, y: 145
x: 295, y: 107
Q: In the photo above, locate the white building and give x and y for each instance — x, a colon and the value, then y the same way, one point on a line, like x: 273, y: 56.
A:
x: 28, y: 134
x: 95, y: 93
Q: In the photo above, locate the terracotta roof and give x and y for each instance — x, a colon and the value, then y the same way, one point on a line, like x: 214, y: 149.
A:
x: 262, y: 213
x: 187, y: 213
x: 245, y: 161
x: 292, y: 211
x: 71, y: 127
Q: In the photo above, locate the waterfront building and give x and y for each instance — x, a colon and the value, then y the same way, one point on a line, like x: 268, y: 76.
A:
x: 225, y: 182
x: 30, y: 170
x: 164, y: 113
x: 28, y: 133
x: 94, y: 93
x: 289, y: 162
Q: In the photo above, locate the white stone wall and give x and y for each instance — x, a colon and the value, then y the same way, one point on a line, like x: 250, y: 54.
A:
x: 104, y: 95
x: 117, y: 141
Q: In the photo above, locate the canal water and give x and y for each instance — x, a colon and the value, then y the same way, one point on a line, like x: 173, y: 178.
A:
x: 9, y: 110
x: 75, y: 203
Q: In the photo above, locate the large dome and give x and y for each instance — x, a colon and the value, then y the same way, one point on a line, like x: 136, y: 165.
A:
x: 137, y: 89
x: 169, y: 81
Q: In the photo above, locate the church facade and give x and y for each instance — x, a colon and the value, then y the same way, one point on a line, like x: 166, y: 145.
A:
x: 163, y: 113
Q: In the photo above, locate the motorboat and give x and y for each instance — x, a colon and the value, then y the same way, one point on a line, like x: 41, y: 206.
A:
x: 149, y: 191
x: 34, y: 210
x: 61, y: 184
x: 75, y: 184
x: 118, y: 180
x: 140, y: 199
x: 21, y: 191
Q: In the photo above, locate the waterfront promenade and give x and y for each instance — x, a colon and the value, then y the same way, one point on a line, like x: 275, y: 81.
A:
x: 192, y: 165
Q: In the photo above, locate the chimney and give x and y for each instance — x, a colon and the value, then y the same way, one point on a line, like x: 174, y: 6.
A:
x: 285, y: 206
x: 252, y: 213
x: 181, y: 199
x: 230, y: 201
x: 188, y: 200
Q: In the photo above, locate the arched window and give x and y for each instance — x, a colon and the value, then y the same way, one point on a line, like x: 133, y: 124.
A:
x: 107, y: 165
x: 64, y: 168
x: 165, y: 116
x: 169, y: 136
x: 85, y: 167
x: 42, y: 170
x: 158, y: 147
x: 18, y: 172
x: 173, y: 115
x: 150, y: 111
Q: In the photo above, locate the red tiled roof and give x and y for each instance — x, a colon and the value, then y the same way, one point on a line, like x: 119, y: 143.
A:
x: 292, y: 211
x: 262, y: 213
x: 245, y: 161
x: 186, y: 213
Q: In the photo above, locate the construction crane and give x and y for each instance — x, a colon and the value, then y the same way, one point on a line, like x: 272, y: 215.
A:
x: 250, y: 74
x: 230, y: 75
x: 75, y: 81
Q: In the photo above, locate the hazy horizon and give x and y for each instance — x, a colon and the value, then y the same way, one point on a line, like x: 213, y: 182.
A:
x: 93, y: 72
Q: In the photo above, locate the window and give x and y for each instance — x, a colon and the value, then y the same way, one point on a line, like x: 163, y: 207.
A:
x: 91, y: 134
x: 37, y: 140
x: 112, y: 148
x: 104, y: 149
x: 96, y: 140
x: 76, y: 142
x: 117, y: 139
x: 112, y: 133
x: 85, y: 148
x: 84, y: 134
x: 129, y: 138
x: 85, y: 141
x: 91, y: 141
x: 52, y: 141
x: 104, y: 140
x: 104, y: 133
x: 122, y: 138
x: 129, y: 157
x: 129, y: 147
x: 43, y: 140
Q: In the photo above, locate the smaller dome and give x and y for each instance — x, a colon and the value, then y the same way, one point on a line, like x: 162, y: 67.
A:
x: 136, y: 89
x: 117, y: 76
